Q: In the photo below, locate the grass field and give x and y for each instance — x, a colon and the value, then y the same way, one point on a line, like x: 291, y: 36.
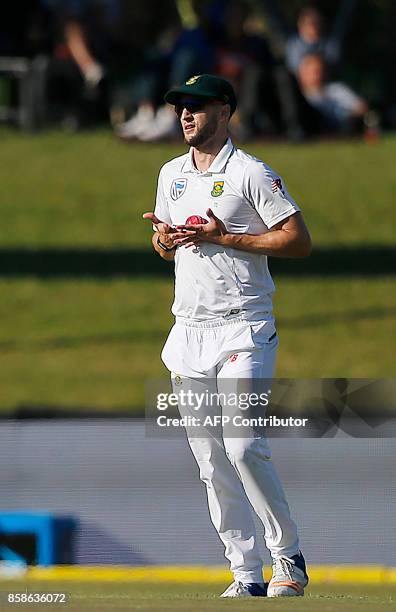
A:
x: 92, y: 344
x: 90, y: 189
x: 202, y: 598
x: 89, y: 342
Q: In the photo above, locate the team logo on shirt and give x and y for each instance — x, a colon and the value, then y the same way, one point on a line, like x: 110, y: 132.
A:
x: 218, y: 187
x: 178, y: 187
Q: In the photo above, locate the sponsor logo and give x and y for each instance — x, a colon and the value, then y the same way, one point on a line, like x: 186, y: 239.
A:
x: 218, y: 187
x: 178, y: 379
x: 178, y: 187
x: 234, y: 357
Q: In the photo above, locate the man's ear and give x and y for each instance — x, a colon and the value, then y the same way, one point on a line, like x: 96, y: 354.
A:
x: 226, y: 111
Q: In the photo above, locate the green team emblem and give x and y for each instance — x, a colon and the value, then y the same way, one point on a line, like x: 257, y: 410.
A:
x: 218, y: 187
x: 193, y: 79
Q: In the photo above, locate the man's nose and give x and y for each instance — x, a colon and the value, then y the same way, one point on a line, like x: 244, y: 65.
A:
x: 186, y: 114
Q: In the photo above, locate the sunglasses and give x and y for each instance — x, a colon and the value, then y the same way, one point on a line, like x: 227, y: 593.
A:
x: 192, y: 106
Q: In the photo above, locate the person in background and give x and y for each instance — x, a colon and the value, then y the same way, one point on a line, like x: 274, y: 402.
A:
x: 244, y: 59
x: 194, y: 52
x: 342, y: 110
x: 220, y: 44
x: 299, y: 119
x: 312, y: 35
x: 112, y: 54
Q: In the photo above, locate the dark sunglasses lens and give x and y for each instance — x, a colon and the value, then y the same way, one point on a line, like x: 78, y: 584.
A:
x: 191, y: 107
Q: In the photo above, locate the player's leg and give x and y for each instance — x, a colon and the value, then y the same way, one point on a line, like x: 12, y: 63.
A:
x: 251, y: 457
x: 228, y: 506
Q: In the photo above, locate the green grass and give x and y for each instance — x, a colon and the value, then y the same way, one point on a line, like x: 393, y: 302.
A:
x: 204, y: 597
x: 59, y: 189
x: 93, y: 344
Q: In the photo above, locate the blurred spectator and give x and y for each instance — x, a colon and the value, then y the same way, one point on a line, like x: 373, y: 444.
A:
x: 299, y: 117
x: 112, y: 55
x: 218, y: 44
x: 341, y: 108
x: 195, y: 49
x: 311, y: 35
x: 193, y: 53
x: 245, y: 60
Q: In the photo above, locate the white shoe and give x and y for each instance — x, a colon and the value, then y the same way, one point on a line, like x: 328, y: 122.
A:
x: 136, y: 124
x: 238, y: 589
x: 164, y: 125
x: 289, y: 577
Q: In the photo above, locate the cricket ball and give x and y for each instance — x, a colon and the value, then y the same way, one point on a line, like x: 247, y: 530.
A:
x: 195, y: 220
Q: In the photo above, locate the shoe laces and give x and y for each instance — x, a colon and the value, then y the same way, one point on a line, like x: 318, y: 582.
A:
x: 282, y: 567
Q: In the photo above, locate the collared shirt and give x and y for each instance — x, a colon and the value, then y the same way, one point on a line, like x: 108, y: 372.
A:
x: 212, y: 281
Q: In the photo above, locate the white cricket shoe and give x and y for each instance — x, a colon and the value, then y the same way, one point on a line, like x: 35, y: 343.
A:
x: 137, y: 124
x: 238, y: 589
x: 289, y: 577
x: 164, y: 125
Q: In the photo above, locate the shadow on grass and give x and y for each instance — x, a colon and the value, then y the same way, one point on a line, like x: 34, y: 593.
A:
x: 111, y: 263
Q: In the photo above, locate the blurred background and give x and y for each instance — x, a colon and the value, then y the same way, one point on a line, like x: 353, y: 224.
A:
x: 85, y: 305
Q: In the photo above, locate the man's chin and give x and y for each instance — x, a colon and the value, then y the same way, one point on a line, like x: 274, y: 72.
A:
x: 195, y: 140
x: 189, y: 137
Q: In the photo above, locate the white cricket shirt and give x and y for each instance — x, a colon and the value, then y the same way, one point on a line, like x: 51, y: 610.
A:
x: 212, y: 280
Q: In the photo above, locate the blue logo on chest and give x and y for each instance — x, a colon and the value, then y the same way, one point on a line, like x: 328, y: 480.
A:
x: 178, y: 187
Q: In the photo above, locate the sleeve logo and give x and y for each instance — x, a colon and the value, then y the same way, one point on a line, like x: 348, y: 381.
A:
x: 276, y: 185
x: 178, y: 187
x: 218, y: 187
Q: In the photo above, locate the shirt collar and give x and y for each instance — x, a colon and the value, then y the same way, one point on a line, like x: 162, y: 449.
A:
x: 218, y: 164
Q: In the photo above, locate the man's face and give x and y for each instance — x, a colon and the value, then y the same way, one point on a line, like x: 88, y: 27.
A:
x: 200, y: 119
x: 310, y: 26
x: 311, y: 72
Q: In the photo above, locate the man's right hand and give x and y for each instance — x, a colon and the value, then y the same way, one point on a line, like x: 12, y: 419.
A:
x: 164, y: 230
x: 166, y: 233
x: 160, y: 225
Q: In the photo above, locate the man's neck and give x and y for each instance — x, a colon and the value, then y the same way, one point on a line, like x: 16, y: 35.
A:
x: 206, y: 153
x: 313, y: 90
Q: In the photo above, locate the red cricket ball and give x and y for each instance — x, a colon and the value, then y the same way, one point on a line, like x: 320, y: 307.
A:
x: 195, y: 220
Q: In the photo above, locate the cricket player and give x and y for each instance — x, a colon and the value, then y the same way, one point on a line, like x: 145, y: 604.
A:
x: 224, y: 327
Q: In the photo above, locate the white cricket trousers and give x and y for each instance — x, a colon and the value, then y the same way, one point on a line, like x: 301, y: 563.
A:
x: 207, y: 356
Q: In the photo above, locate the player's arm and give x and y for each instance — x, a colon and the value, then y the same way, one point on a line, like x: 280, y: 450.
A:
x: 288, y: 238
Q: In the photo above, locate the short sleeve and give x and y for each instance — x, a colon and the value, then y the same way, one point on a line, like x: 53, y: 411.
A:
x: 161, y: 205
x: 266, y: 192
x: 344, y: 95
